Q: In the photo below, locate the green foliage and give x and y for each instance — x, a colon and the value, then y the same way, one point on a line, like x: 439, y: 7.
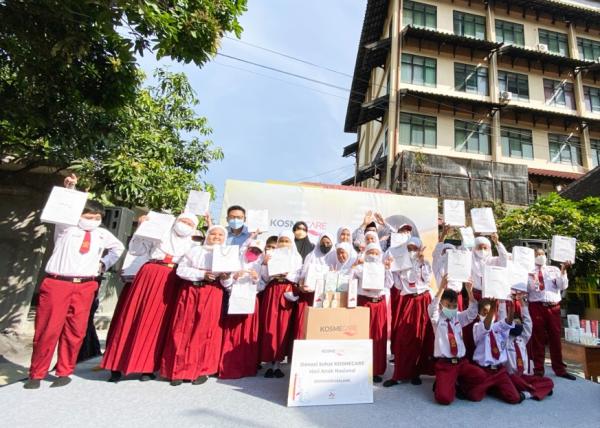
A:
x: 554, y: 215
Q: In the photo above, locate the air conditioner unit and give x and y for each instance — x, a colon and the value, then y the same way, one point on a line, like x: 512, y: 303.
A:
x: 506, y: 96
x: 541, y: 47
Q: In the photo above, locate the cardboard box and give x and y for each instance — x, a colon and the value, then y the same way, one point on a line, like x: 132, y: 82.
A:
x: 336, y: 324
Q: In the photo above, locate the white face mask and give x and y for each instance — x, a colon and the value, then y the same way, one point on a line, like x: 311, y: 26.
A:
x: 540, y: 260
x: 482, y: 254
x: 371, y: 259
x: 182, y: 229
x: 412, y: 255
x: 87, y: 224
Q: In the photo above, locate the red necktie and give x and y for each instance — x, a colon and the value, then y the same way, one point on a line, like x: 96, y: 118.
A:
x: 85, y: 244
x: 541, y: 279
x: 520, y: 366
x: 494, y: 345
x: 452, y: 340
x: 168, y: 259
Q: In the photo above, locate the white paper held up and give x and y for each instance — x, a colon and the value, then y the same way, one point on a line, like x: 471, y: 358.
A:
x: 398, y: 239
x: 524, y: 257
x: 243, y: 297
x: 401, y: 259
x: 156, y: 227
x: 280, y: 262
x: 563, y: 249
x: 64, y: 206
x: 495, y: 283
x: 467, y: 237
x: 198, y: 202
x: 517, y: 275
x: 483, y: 220
x: 459, y: 265
x: 373, y: 277
x: 454, y: 213
x: 226, y: 258
x: 257, y: 220
x: 315, y: 273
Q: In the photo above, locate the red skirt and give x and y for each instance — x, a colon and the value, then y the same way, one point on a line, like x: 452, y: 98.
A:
x: 193, y: 345
x: 377, y: 332
x: 395, y: 315
x: 118, y: 310
x: 138, y: 331
x: 275, y: 322
x: 239, y: 354
x: 538, y: 386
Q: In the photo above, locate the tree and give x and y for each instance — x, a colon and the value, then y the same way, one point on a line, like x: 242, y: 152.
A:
x: 157, y: 151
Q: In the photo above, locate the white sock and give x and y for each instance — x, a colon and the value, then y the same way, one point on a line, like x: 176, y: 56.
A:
x: 527, y: 395
x: 276, y: 365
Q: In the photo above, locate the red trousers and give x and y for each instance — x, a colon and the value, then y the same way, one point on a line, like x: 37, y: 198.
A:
x: 413, y: 344
x: 61, y: 317
x: 498, y: 383
x: 378, y: 332
x: 546, y: 329
x: 538, y: 386
x: 464, y: 374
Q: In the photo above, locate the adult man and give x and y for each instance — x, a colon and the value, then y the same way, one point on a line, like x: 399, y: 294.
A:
x: 237, y: 232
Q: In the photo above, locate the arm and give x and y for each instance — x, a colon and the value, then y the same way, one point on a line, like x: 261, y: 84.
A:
x: 468, y: 316
x: 527, y: 322
x: 434, y: 310
x: 425, y: 272
x: 115, y: 249
x: 562, y: 282
x: 502, y: 253
x: 185, y: 270
x: 139, y: 246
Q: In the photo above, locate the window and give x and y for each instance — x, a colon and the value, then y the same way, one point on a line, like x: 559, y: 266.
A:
x: 559, y: 94
x: 472, y: 137
x: 592, y: 98
x: 595, y: 152
x: 564, y: 149
x: 469, y: 25
x: 471, y: 79
x: 588, y: 49
x: 383, y: 147
x: 515, y: 83
x: 556, y: 42
x: 509, y: 32
x: 516, y: 143
x: 419, y: 14
x: 418, y: 130
x: 418, y: 70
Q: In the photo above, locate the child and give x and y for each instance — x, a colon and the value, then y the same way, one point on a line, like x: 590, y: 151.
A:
x: 452, y: 369
x: 440, y: 264
x: 491, y: 352
x: 67, y: 292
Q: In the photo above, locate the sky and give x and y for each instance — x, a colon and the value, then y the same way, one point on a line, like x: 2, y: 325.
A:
x: 273, y: 126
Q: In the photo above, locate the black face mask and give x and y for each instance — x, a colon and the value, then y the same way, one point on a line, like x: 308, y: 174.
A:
x: 516, y: 330
x: 324, y: 248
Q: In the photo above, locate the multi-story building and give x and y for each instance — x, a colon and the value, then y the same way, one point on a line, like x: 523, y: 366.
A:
x: 481, y: 100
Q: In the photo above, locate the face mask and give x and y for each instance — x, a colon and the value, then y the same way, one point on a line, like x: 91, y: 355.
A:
x: 87, y: 224
x: 182, y: 229
x: 269, y: 251
x: 251, y: 256
x: 482, y: 254
x: 412, y: 254
x: 324, y: 248
x: 236, y: 223
x: 516, y: 330
x: 540, y: 260
x: 449, y: 313
x: 300, y: 234
x: 371, y: 259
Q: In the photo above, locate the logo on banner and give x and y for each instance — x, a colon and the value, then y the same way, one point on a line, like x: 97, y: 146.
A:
x: 315, y: 228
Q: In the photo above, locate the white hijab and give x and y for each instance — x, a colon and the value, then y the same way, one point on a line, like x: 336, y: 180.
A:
x: 332, y: 259
x: 174, y: 244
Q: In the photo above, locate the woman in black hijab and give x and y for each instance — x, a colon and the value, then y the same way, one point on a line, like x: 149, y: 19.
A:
x: 303, y: 244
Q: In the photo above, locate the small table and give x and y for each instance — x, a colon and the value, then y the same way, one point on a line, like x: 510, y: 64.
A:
x: 586, y: 355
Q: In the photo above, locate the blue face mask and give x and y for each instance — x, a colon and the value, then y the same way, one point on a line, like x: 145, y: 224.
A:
x: 449, y: 313
x: 236, y: 223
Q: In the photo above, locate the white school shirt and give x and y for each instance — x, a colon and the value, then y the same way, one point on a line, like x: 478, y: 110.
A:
x: 554, y: 284
x: 439, y: 322
x: 520, y: 341
x: 246, y: 266
x: 177, y: 247
x: 439, y: 268
x: 357, y: 273
x: 66, y: 260
x: 478, y: 265
x: 196, y: 262
x: 411, y: 281
x: 483, y: 348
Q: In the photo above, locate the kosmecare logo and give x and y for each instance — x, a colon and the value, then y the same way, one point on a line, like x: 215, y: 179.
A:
x: 315, y: 228
x: 346, y: 330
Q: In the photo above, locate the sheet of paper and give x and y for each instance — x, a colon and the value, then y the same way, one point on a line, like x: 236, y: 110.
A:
x: 156, y: 227
x: 315, y: 273
x: 524, y: 257
x: 280, y: 262
x: 226, y: 258
x: 459, y: 265
x: 398, y: 239
x: 467, y: 237
x: 563, y: 249
x: 454, y: 213
x: 483, y: 220
x: 64, y: 206
x: 331, y: 281
x: 198, y: 202
x: 401, y: 259
x: 343, y: 283
x: 517, y: 275
x: 495, y: 283
x: 573, y: 321
x: 373, y: 276
x: 243, y: 297
x: 319, y: 293
x: 257, y: 220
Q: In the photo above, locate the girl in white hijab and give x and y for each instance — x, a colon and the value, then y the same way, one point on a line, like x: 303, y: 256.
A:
x: 342, y: 259
x: 482, y: 256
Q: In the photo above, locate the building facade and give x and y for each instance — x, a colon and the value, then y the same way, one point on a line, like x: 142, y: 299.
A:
x: 478, y: 100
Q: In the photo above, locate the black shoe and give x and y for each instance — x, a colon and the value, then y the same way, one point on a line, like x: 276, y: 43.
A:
x: 32, y: 384
x: 269, y: 373
x: 377, y: 379
x: 521, y: 397
x: 259, y: 367
x: 460, y: 394
x: 390, y: 382
x: 200, y: 380
x: 416, y: 381
x: 278, y: 373
x: 433, y: 386
x: 61, y: 381
x: 145, y: 377
x: 115, y: 376
x: 551, y: 392
x: 176, y: 382
x: 567, y: 376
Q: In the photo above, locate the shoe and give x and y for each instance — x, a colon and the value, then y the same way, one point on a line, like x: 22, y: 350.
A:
x: 269, y: 373
x: 61, y: 381
x: 32, y: 384
x: 460, y: 395
x: 551, y: 392
x: 390, y: 382
x: 433, y: 386
x: 392, y: 360
x: 115, y: 377
x: 377, y: 379
x: 278, y: 373
x: 147, y: 376
x: 176, y: 382
x: 259, y: 367
x: 567, y: 376
x: 521, y: 397
x: 200, y: 380
x: 416, y: 381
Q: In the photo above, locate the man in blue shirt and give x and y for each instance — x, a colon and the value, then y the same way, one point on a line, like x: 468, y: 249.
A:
x: 237, y: 231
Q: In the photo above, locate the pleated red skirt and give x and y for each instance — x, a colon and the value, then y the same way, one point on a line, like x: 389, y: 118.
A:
x: 193, y: 345
x: 239, y: 354
x: 377, y: 332
x: 395, y: 315
x: 139, y: 329
x: 275, y: 322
